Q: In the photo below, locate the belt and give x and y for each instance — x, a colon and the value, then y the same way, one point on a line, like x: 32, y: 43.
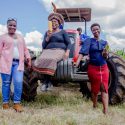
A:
x: 15, y: 59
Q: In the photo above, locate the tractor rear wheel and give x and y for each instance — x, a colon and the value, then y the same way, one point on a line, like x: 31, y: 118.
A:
x: 30, y: 84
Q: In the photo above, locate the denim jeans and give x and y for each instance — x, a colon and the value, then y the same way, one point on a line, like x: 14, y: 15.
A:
x: 17, y: 77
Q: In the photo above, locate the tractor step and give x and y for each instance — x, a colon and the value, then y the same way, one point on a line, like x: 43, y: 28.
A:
x: 80, y: 77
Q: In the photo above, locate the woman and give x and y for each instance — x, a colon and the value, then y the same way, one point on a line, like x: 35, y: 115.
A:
x: 56, y: 46
x: 97, y: 70
x: 12, y: 52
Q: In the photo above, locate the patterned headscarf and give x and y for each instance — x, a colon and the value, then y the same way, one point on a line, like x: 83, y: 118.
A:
x: 56, y: 16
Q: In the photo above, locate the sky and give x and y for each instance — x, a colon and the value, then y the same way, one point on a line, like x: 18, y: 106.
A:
x: 32, y: 23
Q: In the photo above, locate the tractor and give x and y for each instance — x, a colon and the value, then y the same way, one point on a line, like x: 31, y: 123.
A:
x: 68, y: 72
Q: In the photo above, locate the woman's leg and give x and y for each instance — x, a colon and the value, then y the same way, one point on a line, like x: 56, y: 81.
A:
x: 105, y: 102
x: 46, y: 82
x: 6, y: 82
x: 48, y: 79
x: 47, y: 85
x: 104, y: 98
x: 94, y: 99
x: 18, y: 82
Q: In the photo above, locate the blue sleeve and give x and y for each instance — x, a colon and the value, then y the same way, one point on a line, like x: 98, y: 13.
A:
x: 102, y: 44
x: 44, y: 43
x: 83, y: 37
x: 106, y: 43
x: 85, y: 47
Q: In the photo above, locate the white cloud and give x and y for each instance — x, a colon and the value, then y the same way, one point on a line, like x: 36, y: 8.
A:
x: 104, y: 3
x: 109, y: 13
x: 115, y: 43
x: 3, y: 29
x: 47, y: 4
x: 34, y: 40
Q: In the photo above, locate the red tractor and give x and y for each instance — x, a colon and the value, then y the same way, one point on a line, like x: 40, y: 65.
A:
x: 67, y: 72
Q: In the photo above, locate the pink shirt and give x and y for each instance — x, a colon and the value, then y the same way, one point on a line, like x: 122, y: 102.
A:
x: 6, y: 53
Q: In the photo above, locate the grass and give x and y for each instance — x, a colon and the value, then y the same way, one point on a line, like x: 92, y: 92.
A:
x: 63, y: 106
x: 121, y: 53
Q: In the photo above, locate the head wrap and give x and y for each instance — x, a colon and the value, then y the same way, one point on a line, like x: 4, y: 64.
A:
x: 56, y: 16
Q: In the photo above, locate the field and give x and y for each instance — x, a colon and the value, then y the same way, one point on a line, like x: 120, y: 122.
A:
x: 62, y: 106
x: 121, y: 53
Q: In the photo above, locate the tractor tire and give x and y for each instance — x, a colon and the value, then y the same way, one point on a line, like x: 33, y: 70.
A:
x: 64, y: 70
x: 30, y: 84
x: 84, y: 89
x: 116, y: 80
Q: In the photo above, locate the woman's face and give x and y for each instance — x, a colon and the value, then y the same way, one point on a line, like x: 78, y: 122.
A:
x: 55, y: 24
x: 96, y: 31
x: 11, y: 26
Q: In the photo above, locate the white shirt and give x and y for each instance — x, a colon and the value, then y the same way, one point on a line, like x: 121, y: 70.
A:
x: 15, y: 51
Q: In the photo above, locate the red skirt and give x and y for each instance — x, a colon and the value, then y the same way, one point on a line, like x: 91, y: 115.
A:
x: 98, y: 75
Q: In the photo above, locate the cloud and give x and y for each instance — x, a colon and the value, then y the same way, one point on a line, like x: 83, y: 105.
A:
x: 119, y: 33
x: 115, y: 43
x: 110, y: 14
x: 33, y: 39
x: 3, y: 29
x: 47, y: 4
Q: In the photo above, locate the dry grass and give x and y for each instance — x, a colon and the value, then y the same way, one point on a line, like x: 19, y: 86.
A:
x: 63, y: 106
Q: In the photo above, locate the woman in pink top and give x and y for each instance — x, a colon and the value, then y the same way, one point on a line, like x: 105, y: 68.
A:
x: 12, y: 53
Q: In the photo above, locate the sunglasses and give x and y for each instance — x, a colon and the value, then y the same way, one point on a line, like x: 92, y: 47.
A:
x: 11, y: 19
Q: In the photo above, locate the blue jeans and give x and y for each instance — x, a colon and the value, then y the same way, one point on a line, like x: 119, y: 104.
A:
x: 17, y: 77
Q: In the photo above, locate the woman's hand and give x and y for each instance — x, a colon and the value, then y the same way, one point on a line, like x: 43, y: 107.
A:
x: 29, y: 62
x: 78, y: 60
x: 105, y: 53
x: 66, y: 55
x: 49, y: 34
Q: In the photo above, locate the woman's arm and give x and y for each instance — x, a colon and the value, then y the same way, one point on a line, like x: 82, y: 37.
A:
x: 105, y: 51
x: 79, y: 59
x: 46, y: 39
x: 44, y: 43
x: 84, y: 51
x: 67, y: 40
x: 27, y: 54
x: 66, y: 54
x: 68, y: 44
x: 1, y: 45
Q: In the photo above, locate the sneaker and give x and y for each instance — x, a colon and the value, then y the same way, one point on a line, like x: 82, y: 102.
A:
x: 18, y: 107
x: 6, y: 106
x: 50, y: 87
x: 43, y: 87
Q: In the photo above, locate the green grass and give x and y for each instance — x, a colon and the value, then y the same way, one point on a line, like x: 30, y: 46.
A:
x: 63, y: 106
x: 120, y: 53
x: 54, y: 99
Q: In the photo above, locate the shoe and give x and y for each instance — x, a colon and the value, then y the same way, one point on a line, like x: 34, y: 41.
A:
x: 49, y: 87
x: 6, y: 106
x: 43, y: 87
x: 18, y: 107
